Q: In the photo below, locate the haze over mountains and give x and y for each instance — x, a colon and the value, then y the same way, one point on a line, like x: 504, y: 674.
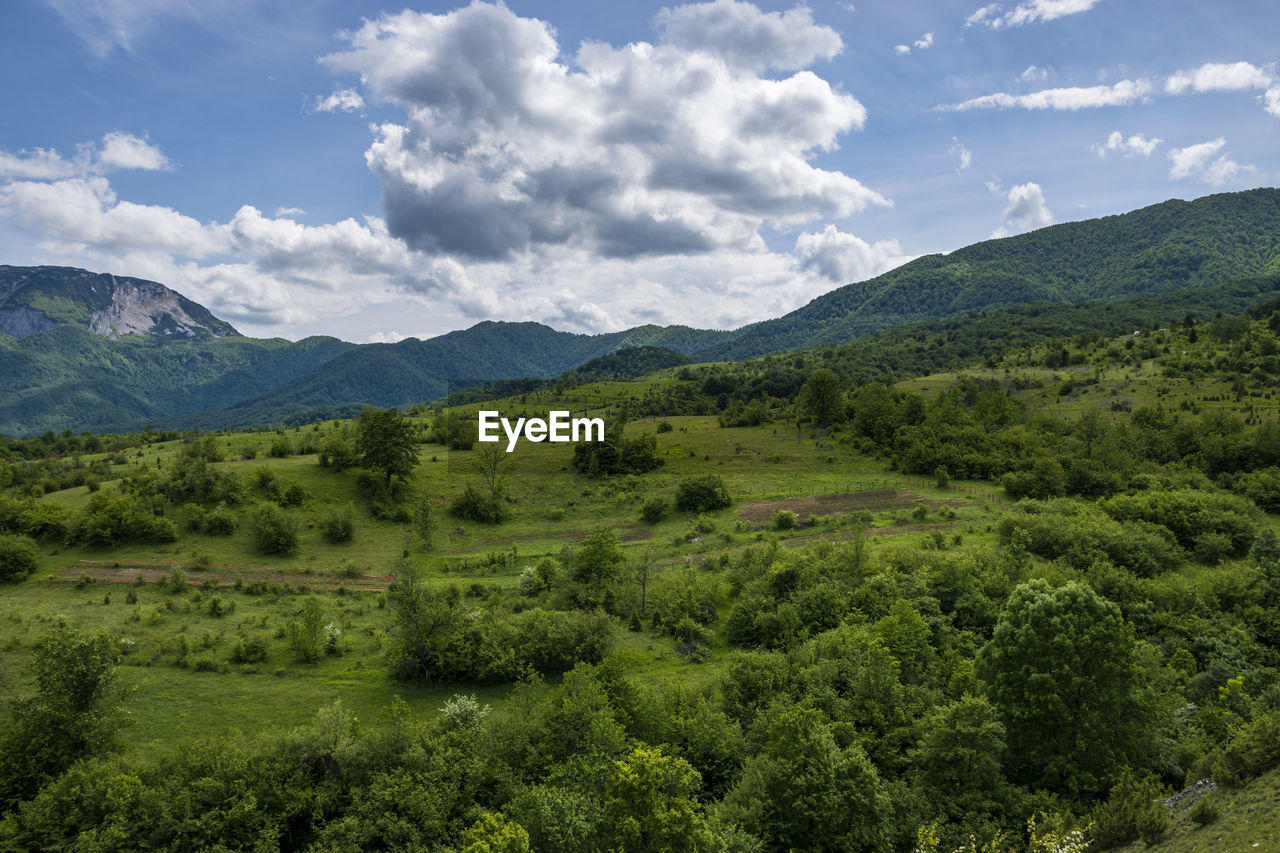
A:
x: 87, y: 351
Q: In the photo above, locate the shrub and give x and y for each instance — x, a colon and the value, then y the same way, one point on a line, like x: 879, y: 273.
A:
x: 702, y: 494
x: 251, y: 650
x: 220, y: 522
x: 275, y: 531
x: 665, y: 426
x: 653, y: 510
x: 1205, y: 811
x: 280, y: 448
x: 784, y: 519
x: 19, y: 557
x: 339, y: 524
x: 474, y: 505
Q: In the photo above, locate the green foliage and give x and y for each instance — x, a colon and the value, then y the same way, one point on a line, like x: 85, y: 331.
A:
x: 822, y: 398
x: 802, y: 791
x: 338, y: 524
x: 1133, y: 810
x: 702, y: 494
x: 19, y: 557
x: 1254, y: 750
x: 958, y: 757
x: 338, y: 450
x: 616, y: 454
x: 1061, y: 670
x: 596, y: 561
x: 649, y: 805
x: 306, y: 632
x: 387, y: 442
x: 475, y: 505
x: 275, y: 530
x: 654, y: 510
x: 70, y: 715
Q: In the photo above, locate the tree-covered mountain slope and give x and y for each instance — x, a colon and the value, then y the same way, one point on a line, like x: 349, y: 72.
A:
x: 1171, y: 246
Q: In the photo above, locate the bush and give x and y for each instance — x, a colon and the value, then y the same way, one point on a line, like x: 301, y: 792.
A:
x: 653, y: 510
x: 665, y: 426
x: 275, y: 531
x: 19, y: 557
x: 702, y: 494
x: 1205, y: 811
x: 220, y: 522
x: 339, y: 524
x: 477, y: 506
x: 251, y: 650
x: 280, y: 448
x: 1254, y: 751
x: 784, y: 519
x: 1134, y: 810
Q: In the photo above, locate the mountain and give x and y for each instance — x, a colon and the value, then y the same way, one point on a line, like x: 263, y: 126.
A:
x: 88, y: 351
x: 35, y: 299
x: 81, y: 350
x: 1176, y: 245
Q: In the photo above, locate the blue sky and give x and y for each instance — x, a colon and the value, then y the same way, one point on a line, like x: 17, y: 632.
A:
x: 374, y: 172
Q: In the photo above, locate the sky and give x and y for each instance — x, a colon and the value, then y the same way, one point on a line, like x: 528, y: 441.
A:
x: 374, y: 172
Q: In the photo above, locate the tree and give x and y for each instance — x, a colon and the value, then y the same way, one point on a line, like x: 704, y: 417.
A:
x: 489, y: 462
x: 821, y: 398
x: 597, y: 560
x: 425, y: 621
x: 650, y: 805
x: 306, y: 633
x: 387, y: 442
x: 68, y: 717
x: 275, y: 531
x: 958, y: 757
x: 1062, y: 672
x: 803, y: 792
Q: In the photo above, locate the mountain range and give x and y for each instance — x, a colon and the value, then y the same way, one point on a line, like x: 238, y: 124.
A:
x: 89, y: 351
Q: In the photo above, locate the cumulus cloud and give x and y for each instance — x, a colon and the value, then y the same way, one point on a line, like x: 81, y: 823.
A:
x: 963, y: 155
x: 1035, y: 11
x: 1218, y: 76
x: 1205, y: 163
x: 680, y: 147
x: 345, y: 100
x: 592, y: 189
x: 1026, y: 211
x: 117, y: 151
x: 126, y: 151
x: 901, y: 49
x: 845, y: 258
x: 1073, y: 98
x: 744, y: 37
x: 1136, y: 144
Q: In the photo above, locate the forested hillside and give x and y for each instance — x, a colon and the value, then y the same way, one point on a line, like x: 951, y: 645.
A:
x: 1171, y: 246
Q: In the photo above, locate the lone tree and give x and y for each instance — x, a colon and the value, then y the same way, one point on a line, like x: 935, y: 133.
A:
x: 821, y: 398
x: 387, y: 441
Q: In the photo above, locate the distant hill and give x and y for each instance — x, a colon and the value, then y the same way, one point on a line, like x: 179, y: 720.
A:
x: 85, y: 351
x: 1176, y: 245
x: 82, y: 350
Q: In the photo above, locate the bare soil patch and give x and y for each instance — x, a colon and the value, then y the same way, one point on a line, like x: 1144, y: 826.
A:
x: 843, y: 503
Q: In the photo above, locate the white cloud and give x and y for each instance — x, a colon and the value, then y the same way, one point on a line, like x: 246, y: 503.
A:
x: 1136, y: 144
x: 590, y: 190
x: 963, y: 155
x: 390, y: 336
x: 675, y: 148
x: 744, y: 37
x: 118, y: 150
x: 288, y: 211
x: 844, y: 258
x: 1034, y: 11
x: 1205, y: 163
x: 1075, y: 98
x: 924, y: 42
x: 1219, y: 76
x: 901, y: 49
x: 126, y: 151
x: 1272, y: 100
x: 1032, y: 74
x: 1026, y: 210
x: 346, y: 100
x: 40, y: 164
